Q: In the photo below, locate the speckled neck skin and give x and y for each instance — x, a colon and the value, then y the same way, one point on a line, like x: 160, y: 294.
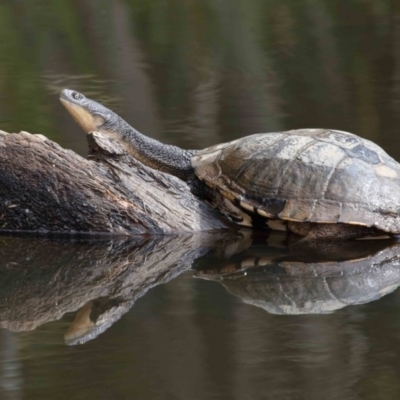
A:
x: 170, y: 159
x: 92, y: 116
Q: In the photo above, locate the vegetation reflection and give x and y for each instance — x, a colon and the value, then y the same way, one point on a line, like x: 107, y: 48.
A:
x: 213, y: 71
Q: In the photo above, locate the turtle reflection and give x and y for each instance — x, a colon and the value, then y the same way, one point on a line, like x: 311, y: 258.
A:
x: 303, y: 279
x: 41, y: 280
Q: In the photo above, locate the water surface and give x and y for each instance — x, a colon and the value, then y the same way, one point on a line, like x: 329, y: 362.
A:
x: 200, y: 317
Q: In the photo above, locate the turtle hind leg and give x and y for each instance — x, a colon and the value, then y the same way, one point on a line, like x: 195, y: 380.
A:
x: 312, y: 230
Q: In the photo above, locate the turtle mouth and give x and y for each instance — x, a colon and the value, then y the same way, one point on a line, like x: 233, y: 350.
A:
x: 80, y: 114
x: 77, y: 105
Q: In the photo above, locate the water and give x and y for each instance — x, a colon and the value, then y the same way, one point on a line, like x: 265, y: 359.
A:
x: 171, y: 318
x: 203, y: 316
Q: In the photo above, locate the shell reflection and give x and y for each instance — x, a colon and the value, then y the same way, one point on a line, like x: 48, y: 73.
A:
x: 310, y: 278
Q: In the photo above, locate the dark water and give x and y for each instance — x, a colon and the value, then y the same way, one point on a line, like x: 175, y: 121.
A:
x: 224, y: 319
x: 261, y: 317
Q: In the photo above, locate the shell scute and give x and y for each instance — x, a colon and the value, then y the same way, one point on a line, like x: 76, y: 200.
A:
x: 362, y: 152
x: 341, y: 139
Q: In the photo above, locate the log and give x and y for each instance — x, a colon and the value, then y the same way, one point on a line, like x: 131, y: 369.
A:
x: 47, y: 189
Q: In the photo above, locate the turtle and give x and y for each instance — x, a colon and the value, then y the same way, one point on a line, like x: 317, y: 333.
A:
x: 316, y: 183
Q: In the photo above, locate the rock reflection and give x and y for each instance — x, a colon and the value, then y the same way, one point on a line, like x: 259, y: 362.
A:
x: 100, y: 279
x: 41, y: 280
x: 307, y: 278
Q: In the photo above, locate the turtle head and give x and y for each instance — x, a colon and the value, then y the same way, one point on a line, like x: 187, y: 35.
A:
x: 90, y: 115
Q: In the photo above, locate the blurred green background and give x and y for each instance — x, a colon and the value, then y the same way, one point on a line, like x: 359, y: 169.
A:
x: 194, y: 73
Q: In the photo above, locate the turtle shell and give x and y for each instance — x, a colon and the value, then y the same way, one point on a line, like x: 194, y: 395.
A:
x: 306, y: 175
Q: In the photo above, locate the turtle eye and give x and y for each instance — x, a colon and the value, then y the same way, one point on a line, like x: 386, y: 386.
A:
x: 76, y: 95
